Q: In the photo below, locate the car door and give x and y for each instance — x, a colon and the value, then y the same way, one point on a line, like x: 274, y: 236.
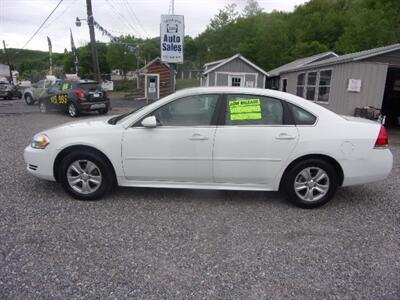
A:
x: 254, y: 140
x: 179, y: 148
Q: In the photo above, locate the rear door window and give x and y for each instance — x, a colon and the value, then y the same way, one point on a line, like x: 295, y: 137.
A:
x: 301, y: 116
x: 253, y: 110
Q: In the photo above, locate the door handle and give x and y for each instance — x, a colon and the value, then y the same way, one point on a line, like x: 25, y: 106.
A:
x: 285, y: 136
x: 198, y: 137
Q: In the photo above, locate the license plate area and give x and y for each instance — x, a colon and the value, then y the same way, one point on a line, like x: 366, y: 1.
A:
x: 97, y: 106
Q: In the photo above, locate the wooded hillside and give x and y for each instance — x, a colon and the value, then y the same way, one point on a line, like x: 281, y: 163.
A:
x: 268, y: 39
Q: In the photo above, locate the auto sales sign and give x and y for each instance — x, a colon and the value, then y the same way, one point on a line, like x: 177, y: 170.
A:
x: 172, y: 32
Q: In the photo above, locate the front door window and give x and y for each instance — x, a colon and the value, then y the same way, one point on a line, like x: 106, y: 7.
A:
x: 189, y: 111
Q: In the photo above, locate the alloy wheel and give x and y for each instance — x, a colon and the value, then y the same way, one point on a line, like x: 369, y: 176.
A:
x: 84, y: 176
x: 72, y: 110
x: 311, y: 184
x: 42, y: 107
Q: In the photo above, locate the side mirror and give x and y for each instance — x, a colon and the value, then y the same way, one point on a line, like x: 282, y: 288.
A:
x: 150, y: 122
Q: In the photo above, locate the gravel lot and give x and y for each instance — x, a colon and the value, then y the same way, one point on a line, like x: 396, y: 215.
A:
x: 165, y: 243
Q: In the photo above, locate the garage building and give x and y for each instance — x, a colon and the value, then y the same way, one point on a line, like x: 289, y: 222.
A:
x: 233, y: 71
x: 343, y: 83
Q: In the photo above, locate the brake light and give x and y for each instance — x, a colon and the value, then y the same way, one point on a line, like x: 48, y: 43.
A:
x: 382, y: 141
x: 80, y: 94
x: 105, y: 95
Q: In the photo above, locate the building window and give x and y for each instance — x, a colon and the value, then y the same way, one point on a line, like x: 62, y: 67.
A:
x: 324, y: 85
x: 300, y: 84
x: 315, y: 85
x: 236, y: 81
x: 311, y: 85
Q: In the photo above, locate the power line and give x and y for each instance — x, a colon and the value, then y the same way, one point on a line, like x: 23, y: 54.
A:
x: 41, y: 25
x: 115, y: 10
x: 57, y: 17
x: 131, y: 10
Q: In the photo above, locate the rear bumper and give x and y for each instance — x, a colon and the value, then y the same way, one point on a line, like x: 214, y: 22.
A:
x: 376, y: 167
x: 91, y: 106
x: 38, y: 163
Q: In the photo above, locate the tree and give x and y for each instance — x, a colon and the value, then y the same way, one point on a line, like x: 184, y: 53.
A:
x: 224, y: 17
x: 252, y: 9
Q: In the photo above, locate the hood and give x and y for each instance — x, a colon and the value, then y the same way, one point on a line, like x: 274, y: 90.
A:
x: 83, y: 127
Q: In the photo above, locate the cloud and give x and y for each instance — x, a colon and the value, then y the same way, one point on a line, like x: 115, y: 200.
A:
x: 20, y: 18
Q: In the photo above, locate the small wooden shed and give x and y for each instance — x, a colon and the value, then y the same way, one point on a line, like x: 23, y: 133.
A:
x: 153, y: 80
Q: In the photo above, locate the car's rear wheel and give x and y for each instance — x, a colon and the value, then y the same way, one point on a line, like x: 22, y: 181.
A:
x: 85, y: 175
x: 42, y: 107
x: 310, y: 183
x: 29, y: 99
x: 72, y: 110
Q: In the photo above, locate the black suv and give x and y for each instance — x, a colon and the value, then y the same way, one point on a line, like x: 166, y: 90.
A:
x: 75, y: 97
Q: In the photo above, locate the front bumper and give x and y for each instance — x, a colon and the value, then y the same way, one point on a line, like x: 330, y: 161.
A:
x: 39, y: 163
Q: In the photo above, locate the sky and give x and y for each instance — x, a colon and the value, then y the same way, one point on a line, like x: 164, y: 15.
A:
x: 19, y: 19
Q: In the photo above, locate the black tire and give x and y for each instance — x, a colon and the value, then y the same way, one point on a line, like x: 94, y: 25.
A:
x: 43, y: 107
x: 72, y: 110
x: 107, y: 176
x: 29, y: 99
x: 311, y: 188
x: 103, y: 111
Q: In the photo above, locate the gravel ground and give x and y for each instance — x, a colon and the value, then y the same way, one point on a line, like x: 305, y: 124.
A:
x: 175, y: 244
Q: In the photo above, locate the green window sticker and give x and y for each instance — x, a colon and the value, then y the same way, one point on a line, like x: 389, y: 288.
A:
x: 65, y: 86
x: 245, y: 109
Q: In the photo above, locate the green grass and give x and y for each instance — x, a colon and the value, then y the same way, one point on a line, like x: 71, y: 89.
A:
x: 186, y: 83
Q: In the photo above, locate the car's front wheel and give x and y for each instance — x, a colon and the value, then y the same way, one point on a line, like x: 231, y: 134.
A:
x: 29, y: 99
x: 85, y: 175
x: 310, y: 183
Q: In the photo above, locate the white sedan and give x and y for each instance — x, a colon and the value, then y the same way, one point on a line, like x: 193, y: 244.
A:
x: 216, y: 138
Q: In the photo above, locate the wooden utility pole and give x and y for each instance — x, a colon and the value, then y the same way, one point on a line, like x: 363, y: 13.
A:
x: 8, y: 61
x: 173, y: 66
x: 95, y: 60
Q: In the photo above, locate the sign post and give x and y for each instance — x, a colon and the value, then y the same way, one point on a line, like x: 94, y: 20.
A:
x: 172, y: 33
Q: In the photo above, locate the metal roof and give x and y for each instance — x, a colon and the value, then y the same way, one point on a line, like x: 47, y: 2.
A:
x: 356, y: 56
x: 227, y: 60
x: 300, y: 62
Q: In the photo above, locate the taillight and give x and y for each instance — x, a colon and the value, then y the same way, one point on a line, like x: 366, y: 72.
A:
x: 105, y: 95
x: 80, y: 94
x: 382, y: 141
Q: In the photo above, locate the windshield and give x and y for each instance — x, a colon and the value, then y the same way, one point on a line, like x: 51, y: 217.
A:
x: 89, y: 86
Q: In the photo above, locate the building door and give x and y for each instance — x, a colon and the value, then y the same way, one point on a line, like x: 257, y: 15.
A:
x: 152, y: 87
x: 391, y: 98
x: 284, y: 85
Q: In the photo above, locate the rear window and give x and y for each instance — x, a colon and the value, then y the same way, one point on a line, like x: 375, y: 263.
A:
x: 89, y: 86
x: 301, y: 116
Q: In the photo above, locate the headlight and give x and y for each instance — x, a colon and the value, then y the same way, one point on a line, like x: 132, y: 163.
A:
x: 40, y: 141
